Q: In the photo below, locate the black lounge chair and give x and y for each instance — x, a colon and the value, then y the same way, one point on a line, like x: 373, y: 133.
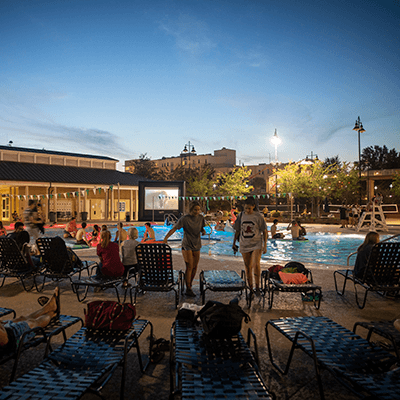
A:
x: 104, y: 283
x: 84, y: 363
x: 384, y: 329
x: 271, y: 285
x: 15, y: 265
x: 58, y: 262
x: 6, y: 311
x: 202, y: 368
x: 156, y: 270
x: 382, y: 274
x: 223, y: 281
x: 361, y: 367
x: 42, y: 335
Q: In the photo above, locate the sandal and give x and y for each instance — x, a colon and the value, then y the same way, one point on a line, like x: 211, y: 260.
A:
x: 43, y: 300
x: 161, y: 345
x: 156, y: 356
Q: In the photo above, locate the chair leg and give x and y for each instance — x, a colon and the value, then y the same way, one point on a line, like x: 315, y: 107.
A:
x: 344, y: 283
x: 77, y: 292
x: 24, y: 286
x: 360, y: 306
x: 176, y: 297
x: 285, y: 371
x: 317, y: 303
x: 270, y: 295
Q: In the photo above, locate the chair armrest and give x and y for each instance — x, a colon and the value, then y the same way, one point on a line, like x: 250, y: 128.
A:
x: 349, y: 256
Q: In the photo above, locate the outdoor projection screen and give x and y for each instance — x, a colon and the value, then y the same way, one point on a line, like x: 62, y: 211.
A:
x: 158, y: 198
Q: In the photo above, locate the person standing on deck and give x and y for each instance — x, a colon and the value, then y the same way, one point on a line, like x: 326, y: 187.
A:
x: 251, y: 231
x: 193, y: 225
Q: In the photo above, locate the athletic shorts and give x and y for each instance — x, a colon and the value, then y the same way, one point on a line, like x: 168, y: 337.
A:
x: 188, y: 249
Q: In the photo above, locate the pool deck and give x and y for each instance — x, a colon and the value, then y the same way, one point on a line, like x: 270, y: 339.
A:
x: 159, y: 309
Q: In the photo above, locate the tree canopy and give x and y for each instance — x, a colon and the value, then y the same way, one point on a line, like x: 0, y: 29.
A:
x: 234, y: 183
x: 377, y: 157
x: 318, y: 181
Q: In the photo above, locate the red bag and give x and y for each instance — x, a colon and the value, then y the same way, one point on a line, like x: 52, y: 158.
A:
x: 109, y: 315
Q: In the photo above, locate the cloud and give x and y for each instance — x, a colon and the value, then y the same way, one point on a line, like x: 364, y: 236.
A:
x: 81, y: 139
x: 191, y: 35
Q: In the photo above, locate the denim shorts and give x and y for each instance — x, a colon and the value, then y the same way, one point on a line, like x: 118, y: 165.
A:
x: 18, y: 329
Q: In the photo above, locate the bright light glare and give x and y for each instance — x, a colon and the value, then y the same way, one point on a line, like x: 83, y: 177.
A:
x: 275, y: 140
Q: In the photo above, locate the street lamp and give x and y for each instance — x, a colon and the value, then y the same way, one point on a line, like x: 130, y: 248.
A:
x: 276, y: 141
x: 188, y: 150
x: 359, y: 128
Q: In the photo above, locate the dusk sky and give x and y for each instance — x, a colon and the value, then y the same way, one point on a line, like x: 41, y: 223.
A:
x: 123, y: 78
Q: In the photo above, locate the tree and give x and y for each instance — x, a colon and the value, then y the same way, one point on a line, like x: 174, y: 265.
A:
x: 377, y: 157
x: 259, y: 184
x: 235, y: 183
x: 332, y: 161
x: 143, y: 166
x: 344, y: 185
x: 200, y: 181
x: 396, y: 184
x: 317, y: 181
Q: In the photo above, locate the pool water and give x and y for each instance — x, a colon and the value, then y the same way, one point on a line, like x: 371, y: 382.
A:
x: 320, y: 248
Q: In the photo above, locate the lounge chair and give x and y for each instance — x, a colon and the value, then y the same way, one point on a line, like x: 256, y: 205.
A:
x: 84, y: 363
x: 384, y: 329
x: 6, y: 311
x: 382, y: 274
x: 270, y: 285
x: 15, y: 265
x: 58, y: 262
x: 156, y: 270
x: 104, y: 283
x: 223, y: 281
x: 363, y: 368
x: 202, y: 368
x: 42, y: 335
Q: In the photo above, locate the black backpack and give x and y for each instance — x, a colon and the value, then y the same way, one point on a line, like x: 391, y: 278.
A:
x: 222, y: 321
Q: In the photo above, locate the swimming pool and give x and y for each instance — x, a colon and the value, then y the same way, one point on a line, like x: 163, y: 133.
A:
x: 320, y: 248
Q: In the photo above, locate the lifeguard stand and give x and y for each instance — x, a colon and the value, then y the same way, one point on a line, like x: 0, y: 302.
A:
x: 373, y: 220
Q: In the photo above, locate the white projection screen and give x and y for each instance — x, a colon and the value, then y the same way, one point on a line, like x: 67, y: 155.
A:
x: 161, y: 198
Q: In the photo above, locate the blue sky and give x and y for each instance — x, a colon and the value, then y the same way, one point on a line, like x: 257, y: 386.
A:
x: 123, y: 78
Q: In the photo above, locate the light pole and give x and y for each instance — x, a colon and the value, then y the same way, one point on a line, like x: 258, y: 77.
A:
x: 188, y: 150
x: 275, y: 140
x: 359, y: 128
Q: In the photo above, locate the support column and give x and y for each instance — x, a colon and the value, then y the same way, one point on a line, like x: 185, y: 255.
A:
x: 78, y: 209
x: 131, y: 203
x: 370, y: 188
x: 112, y: 204
x: 55, y: 194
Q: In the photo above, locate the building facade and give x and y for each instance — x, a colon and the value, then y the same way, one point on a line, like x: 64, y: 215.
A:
x: 223, y: 160
x: 66, y: 185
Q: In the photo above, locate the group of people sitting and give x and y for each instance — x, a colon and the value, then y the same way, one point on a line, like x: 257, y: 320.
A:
x: 296, y: 229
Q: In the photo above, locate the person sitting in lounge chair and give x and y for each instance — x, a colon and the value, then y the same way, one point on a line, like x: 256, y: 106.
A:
x: 363, y: 253
x: 11, y: 331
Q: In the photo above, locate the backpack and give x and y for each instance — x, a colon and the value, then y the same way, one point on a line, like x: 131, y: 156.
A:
x: 294, y: 266
x: 222, y: 321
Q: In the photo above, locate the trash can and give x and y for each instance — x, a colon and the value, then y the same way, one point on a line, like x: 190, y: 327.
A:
x: 52, y: 216
x: 127, y: 216
x: 84, y: 215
